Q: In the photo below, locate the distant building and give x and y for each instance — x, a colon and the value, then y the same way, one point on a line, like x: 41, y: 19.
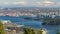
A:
x: 7, y: 31
x: 13, y: 32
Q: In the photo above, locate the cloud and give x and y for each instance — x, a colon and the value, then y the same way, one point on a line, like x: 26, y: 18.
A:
x: 26, y: 3
x: 39, y: 3
x: 44, y: 3
x: 5, y: 3
x: 23, y: 3
x: 58, y: 3
x: 47, y: 2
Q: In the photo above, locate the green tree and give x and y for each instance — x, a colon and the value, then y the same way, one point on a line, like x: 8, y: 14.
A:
x: 58, y: 31
x: 28, y: 31
x: 40, y: 31
x: 2, y: 31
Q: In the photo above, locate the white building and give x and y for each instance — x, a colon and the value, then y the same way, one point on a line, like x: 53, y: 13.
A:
x: 13, y: 32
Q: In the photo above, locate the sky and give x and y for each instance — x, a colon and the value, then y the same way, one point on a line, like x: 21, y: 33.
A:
x: 24, y: 3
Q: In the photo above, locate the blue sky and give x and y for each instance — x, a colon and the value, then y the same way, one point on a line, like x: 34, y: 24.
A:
x: 23, y: 3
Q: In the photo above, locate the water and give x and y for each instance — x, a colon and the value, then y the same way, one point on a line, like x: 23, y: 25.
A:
x: 30, y: 23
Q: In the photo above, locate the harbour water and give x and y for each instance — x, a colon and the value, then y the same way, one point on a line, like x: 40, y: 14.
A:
x: 31, y: 23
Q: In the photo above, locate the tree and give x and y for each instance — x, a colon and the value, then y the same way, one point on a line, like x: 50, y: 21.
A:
x: 40, y: 31
x: 58, y: 31
x: 2, y: 31
x: 28, y: 31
